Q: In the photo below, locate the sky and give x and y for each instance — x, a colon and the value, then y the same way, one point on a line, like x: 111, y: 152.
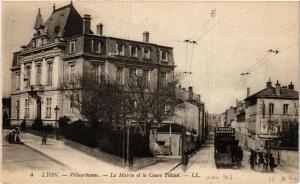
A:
x: 232, y: 38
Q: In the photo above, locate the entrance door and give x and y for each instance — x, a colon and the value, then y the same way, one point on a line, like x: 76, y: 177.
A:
x: 38, y: 108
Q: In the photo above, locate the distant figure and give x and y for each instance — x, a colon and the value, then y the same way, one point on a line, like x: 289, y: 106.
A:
x: 11, y: 137
x: 23, y: 126
x: 261, y: 161
x: 272, y: 162
x: 266, y: 161
x: 234, y: 155
x: 252, y: 159
x: 17, y: 139
x: 240, y: 154
x: 185, y: 160
x: 44, y: 136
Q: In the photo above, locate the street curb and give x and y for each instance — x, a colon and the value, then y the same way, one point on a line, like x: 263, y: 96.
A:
x: 174, y: 167
x: 50, y: 158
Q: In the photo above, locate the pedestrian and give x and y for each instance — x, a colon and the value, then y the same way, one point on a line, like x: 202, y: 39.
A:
x: 11, y: 137
x: 278, y: 158
x: 18, y: 140
x: 44, y: 136
x: 252, y: 159
x: 261, y: 161
x: 266, y: 162
x: 272, y: 162
x: 23, y: 126
x: 240, y: 154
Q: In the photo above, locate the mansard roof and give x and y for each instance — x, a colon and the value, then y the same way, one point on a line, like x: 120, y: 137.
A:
x: 64, y: 22
x: 15, y: 59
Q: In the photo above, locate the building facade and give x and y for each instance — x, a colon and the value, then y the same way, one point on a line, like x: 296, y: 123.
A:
x: 65, y: 46
x: 239, y: 123
x: 268, y: 113
x: 189, y: 115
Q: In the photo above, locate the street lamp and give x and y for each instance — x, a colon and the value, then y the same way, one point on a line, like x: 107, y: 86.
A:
x: 56, y: 109
x: 128, y: 125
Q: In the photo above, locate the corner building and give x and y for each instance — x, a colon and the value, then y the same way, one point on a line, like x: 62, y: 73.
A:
x: 65, y: 46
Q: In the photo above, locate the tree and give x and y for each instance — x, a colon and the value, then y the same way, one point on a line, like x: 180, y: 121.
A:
x: 95, y: 98
x: 148, y: 103
x: 103, y: 98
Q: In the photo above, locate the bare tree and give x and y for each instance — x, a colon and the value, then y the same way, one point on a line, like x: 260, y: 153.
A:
x: 96, y: 98
x: 149, y: 104
x: 105, y: 99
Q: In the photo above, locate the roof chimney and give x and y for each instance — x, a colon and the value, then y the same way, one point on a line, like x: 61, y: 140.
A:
x: 269, y: 84
x: 191, y: 93
x: 99, y: 29
x: 277, y: 88
x: 199, y: 97
x: 146, y: 36
x: 291, y: 86
x: 53, y: 7
x: 248, y: 91
x: 86, y: 23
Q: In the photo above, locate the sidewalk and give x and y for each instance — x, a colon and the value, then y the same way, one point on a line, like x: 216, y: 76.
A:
x: 164, y: 165
x: 71, y: 158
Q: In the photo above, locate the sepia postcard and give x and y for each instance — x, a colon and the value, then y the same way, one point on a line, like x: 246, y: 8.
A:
x: 150, y: 92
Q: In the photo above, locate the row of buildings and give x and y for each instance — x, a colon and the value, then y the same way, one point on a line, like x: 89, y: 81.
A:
x: 65, y: 46
x: 266, y: 119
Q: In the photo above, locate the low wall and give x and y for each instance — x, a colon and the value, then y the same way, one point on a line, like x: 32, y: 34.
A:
x: 138, y: 163
x: 112, y: 159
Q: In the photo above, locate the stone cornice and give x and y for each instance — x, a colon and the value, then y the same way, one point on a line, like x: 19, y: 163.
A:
x: 37, y: 49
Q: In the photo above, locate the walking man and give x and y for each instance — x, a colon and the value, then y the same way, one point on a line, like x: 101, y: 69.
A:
x: 272, y: 162
x: 44, y: 136
x: 23, y: 126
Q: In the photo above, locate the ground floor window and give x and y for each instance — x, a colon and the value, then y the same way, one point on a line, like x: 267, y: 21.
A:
x: 48, y: 108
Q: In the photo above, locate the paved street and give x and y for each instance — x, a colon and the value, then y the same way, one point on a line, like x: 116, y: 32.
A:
x: 22, y: 164
x: 204, y: 159
x: 163, y: 165
x: 20, y: 157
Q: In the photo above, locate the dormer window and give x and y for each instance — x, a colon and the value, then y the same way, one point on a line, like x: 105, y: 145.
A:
x: 146, y: 52
x: 120, y: 49
x: 39, y: 42
x: 33, y: 44
x: 96, y: 46
x: 56, y: 29
x: 44, y: 41
x: 133, y: 51
x: 164, y: 56
x: 73, y: 46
